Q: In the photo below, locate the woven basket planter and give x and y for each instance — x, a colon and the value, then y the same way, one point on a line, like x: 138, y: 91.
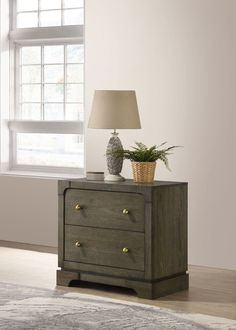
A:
x: 143, y: 172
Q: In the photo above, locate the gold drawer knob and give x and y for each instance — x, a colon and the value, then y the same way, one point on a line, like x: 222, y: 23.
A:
x: 78, y: 207
x: 125, y: 211
x: 77, y: 244
x: 125, y: 250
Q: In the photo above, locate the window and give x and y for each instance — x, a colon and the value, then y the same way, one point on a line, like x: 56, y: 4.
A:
x: 47, y: 53
x: 39, y: 13
x: 51, y: 82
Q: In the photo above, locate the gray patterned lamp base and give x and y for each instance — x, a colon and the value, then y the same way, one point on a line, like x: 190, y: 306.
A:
x: 114, y: 163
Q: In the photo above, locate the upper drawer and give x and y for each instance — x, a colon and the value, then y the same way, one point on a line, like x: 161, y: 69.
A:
x: 104, y: 209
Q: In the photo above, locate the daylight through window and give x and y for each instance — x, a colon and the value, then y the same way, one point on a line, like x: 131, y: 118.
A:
x: 49, y: 85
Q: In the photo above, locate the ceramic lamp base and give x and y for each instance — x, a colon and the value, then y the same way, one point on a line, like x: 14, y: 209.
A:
x: 114, y: 177
x: 114, y: 163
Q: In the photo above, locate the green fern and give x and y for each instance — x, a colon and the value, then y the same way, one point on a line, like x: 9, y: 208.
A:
x: 141, y: 153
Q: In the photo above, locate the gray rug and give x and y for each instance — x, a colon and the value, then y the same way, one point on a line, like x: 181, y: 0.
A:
x: 26, y: 308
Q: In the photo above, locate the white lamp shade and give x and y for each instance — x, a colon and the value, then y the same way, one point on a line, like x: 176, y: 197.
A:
x: 114, y: 109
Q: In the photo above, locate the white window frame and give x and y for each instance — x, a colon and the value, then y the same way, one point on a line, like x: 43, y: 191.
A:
x: 71, y: 34
x: 38, y: 11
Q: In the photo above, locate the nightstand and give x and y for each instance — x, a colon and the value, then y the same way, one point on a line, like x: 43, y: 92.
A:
x: 124, y: 234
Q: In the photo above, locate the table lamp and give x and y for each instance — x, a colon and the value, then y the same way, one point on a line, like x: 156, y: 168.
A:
x: 113, y: 109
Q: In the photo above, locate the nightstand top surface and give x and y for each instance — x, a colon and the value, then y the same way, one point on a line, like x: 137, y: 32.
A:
x: 126, y: 183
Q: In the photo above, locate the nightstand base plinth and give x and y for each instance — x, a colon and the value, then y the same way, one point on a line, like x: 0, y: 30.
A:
x: 144, y: 289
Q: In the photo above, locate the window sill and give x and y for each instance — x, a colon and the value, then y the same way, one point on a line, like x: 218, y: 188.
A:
x: 41, y: 175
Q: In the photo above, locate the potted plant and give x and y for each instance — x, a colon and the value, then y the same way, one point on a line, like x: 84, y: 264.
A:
x: 143, y: 160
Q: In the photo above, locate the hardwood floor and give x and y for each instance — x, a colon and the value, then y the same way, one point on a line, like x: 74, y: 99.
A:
x: 212, y: 291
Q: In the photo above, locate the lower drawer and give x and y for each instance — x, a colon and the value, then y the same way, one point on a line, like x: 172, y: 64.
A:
x: 105, y: 247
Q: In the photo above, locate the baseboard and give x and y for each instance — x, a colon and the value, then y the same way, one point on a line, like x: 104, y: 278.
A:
x: 27, y: 246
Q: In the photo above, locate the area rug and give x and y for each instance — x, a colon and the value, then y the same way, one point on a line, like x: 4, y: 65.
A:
x: 26, y: 308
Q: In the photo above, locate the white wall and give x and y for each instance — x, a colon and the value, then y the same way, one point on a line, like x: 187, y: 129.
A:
x: 179, y: 56
x: 28, y: 210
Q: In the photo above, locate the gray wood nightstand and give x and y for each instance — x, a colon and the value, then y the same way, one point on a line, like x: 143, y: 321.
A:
x: 125, y: 234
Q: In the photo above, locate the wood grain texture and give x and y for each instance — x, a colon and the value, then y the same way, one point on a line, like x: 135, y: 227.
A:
x: 104, y: 247
x: 148, y: 241
x: 118, y: 186
x: 104, y: 270
x: 169, y: 233
x: 104, y: 209
x: 62, y: 186
x: 60, y: 230
x: 156, y: 234
x: 146, y: 290
x: 64, y: 278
